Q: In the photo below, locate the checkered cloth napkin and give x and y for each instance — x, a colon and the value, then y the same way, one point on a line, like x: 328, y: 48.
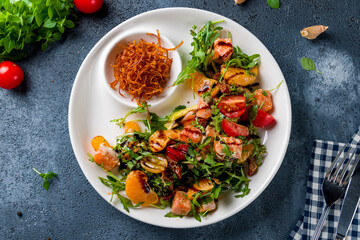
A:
x: 323, y: 153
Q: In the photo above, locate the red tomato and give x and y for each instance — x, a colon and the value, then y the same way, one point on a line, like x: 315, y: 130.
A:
x: 233, y: 129
x: 88, y: 6
x: 11, y: 75
x: 177, y: 153
x: 263, y: 119
x: 232, y: 106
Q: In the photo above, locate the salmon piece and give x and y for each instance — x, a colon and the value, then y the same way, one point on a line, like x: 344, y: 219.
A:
x: 234, y: 144
x: 106, y: 157
x: 264, y: 98
x: 210, y: 131
x: 239, y: 76
x: 203, y: 84
x: 223, y: 49
x: 181, y: 205
x: 207, y: 207
x: 188, y: 118
x: 204, y: 110
x: 192, y: 133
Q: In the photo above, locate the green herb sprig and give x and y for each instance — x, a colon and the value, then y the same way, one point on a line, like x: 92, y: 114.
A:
x: 140, y: 109
x: 46, y: 176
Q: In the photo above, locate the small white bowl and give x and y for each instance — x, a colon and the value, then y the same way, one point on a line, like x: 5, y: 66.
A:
x: 117, y: 45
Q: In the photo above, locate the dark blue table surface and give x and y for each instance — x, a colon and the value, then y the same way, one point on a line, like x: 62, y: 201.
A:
x: 34, y: 129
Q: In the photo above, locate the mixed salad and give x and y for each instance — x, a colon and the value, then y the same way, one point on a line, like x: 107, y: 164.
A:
x: 188, y: 158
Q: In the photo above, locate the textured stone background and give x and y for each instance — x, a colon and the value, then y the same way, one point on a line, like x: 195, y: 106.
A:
x: 34, y: 129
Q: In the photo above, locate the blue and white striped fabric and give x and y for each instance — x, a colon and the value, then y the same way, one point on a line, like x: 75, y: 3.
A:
x: 323, y: 153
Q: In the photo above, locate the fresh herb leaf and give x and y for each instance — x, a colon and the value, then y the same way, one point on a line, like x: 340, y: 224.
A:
x: 226, y: 150
x: 46, y: 176
x: 171, y: 215
x: 26, y: 22
x: 273, y: 3
x: 140, y: 109
x: 155, y: 123
x: 308, y: 64
x: 245, y: 191
x: 253, y: 112
x: 176, y: 109
x: 241, y: 60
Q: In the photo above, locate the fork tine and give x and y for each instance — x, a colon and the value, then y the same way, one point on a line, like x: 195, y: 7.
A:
x: 345, y: 169
x: 337, y: 170
x: 351, y: 171
x: 331, y: 168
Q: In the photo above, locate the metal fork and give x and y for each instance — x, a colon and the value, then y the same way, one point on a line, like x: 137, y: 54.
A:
x: 335, y: 183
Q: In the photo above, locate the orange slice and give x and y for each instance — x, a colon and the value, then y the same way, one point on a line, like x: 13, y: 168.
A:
x: 131, y: 126
x: 137, y: 189
x: 96, y: 141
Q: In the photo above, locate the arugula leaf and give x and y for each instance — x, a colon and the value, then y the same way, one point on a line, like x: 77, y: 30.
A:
x: 273, y: 3
x: 241, y: 60
x: 176, y: 109
x: 226, y: 150
x: 155, y: 123
x: 46, y: 176
x: 126, y: 202
x: 308, y: 64
x: 28, y: 21
x: 140, y: 109
x: 253, y: 112
x: 245, y: 191
x: 202, y: 43
x: 171, y: 215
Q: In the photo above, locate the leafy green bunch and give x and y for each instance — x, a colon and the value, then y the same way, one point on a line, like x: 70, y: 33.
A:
x: 26, y: 22
x: 202, y: 52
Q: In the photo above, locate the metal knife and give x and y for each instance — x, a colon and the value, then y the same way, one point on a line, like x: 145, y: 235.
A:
x: 350, y: 204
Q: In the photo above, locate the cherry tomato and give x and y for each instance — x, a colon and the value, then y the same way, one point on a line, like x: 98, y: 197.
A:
x: 263, y: 119
x: 233, y: 129
x: 177, y: 152
x: 11, y: 75
x: 88, y: 6
x: 232, y: 106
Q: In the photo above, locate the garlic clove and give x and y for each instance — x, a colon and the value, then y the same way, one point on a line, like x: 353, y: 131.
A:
x: 313, y: 31
x: 239, y: 1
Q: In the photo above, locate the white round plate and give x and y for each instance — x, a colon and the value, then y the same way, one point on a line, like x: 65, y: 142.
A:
x: 91, y: 108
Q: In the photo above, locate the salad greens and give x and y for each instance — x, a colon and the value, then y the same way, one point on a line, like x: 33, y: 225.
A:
x: 26, y: 22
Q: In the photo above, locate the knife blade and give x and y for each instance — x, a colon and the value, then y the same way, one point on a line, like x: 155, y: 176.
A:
x: 350, y: 204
